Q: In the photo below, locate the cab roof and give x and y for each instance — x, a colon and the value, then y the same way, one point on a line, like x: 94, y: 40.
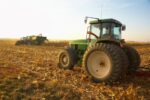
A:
x: 105, y: 21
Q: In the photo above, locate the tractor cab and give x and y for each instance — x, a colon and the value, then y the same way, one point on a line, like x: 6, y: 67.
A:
x: 105, y: 30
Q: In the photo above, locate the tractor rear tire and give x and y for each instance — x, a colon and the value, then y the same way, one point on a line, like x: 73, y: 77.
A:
x: 67, y: 58
x: 104, y: 62
x: 133, y: 57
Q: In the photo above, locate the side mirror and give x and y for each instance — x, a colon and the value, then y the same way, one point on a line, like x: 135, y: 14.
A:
x: 123, y: 27
x: 88, y: 28
x: 85, y: 20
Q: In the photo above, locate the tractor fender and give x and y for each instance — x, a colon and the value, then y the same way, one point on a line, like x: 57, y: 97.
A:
x: 118, y: 43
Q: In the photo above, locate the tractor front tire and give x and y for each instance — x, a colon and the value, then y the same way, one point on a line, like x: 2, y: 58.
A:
x: 67, y: 58
x: 104, y: 62
x: 133, y: 57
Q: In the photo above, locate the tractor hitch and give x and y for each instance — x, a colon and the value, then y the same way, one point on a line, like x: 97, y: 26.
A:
x: 142, y: 72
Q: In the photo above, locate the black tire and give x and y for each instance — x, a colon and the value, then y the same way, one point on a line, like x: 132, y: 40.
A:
x: 17, y: 43
x: 116, y: 56
x: 29, y: 43
x: 71, y: 58
x: 133, y: 57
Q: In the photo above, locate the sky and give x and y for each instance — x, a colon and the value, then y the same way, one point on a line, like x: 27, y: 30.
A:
x: 64, y: 19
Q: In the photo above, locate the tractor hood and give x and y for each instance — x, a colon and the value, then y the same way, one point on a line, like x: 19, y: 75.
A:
x: 80, y: 41
x: 81, y: 44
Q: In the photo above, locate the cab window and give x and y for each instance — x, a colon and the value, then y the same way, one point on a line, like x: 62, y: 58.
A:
x: 95, y: 28
x: 106, y: 29
x: 116, y: 31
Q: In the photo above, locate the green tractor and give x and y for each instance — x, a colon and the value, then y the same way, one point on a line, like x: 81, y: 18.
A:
x: 32, y: 40
x: 104, y: 56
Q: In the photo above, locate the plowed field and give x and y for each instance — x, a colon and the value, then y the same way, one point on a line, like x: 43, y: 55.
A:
x: 31, y: 73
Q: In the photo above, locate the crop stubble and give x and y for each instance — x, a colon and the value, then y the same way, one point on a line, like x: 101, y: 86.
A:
x: 31, y: 72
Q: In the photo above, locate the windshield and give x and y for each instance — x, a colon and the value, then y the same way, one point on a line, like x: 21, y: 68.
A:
x: 95, y: 28
x: 116, y: 31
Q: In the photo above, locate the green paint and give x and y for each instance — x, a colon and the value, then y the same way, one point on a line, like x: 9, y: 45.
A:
x: 109, y: 36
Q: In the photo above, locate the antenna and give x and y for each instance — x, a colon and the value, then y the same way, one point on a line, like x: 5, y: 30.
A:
x: 100, y: 8
x: 101, y: 11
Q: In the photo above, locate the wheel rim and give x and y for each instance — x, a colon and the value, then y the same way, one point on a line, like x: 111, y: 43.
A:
x: 64, y: 60
x: 99, y: 64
